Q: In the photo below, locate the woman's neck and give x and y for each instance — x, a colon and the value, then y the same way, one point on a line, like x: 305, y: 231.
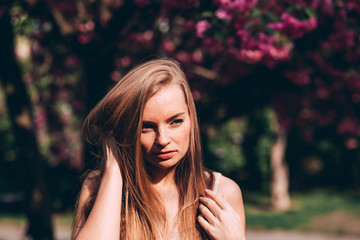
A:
x: 161, y: 176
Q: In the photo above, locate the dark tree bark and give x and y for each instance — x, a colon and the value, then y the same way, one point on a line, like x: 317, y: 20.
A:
x: 37, y: 204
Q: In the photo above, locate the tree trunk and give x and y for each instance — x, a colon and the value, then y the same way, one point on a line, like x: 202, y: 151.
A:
x: 280, y: 199
x: 37, y: 203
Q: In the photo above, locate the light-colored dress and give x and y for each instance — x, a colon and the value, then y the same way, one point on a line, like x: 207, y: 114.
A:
x: 217, y: 176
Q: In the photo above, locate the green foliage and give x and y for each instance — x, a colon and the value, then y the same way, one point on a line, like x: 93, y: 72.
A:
x: 225, y: 145
x: 22, y: 24
x: 7, y: 150
x: 263, y: 120
x: 228, y: 143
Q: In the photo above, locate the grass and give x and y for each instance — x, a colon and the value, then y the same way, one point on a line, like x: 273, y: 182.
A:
x: 58, y: 218
x: 307, y: 208
x: 12, y: 218
x: 315, y: 211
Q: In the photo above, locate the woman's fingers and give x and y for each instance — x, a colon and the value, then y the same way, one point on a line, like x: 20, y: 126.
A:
x: 220, y: 202
x: 203, y: 223
x: 211, y: 205
x: 112, y: 158
x: 207, y: 213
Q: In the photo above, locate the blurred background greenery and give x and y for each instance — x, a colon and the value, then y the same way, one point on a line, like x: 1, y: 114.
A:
x: 276, y: 84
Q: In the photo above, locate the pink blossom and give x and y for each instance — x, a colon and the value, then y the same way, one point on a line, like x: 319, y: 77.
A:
x: 72, y: 61
x: 353, y: 83
x: 196, y: 95
x: 227, y: 8
x: 212, y: 45
x: 40, y: 117
x: 347, y: 126
x: 183, y: 57
x: 351, y: 143
x: 201, y: 28
x: 63, y: 6
x: 84, y: 39
x: 293, y: 27
x: 28, y: 78
x: 89, y: 26
x: 354, y: 5
x: 197, y: 56
x: 340, y: 39
x: 62, y: 94
x: 323, y: 92
x: 281, y: 53
x: 168, y: 5
x: 300, y: 77
x: 80, y: 27
x: 315, y: 4
x: 230, y: 41
x: 247, y: 55
x: 223, y: 14
x: 168, y: 46
x: 148, y: 35
x: 189, y: 26
x: 277, y: 25
x: 122, y: 62
x: 142, y: 3
x: 327, y: 7
x: 125, y: 61
x: 115, y: 76
x: 325, y: 118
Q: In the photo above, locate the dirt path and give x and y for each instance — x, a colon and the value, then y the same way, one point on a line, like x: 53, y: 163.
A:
x: 12, y: 231
x: 282, y: 235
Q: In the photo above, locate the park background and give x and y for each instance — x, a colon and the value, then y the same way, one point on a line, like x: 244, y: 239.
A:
x: 276, y: 84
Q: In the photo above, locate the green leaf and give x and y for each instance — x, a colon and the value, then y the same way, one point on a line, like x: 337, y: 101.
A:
x: 206, y: 14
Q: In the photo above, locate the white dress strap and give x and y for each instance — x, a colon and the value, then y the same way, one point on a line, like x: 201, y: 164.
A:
x: 217, y: 176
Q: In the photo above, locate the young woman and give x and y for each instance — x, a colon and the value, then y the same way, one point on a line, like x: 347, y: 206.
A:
x: 150, y: 182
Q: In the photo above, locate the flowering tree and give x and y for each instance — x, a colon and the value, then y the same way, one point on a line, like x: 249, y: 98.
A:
x: 309, y: 49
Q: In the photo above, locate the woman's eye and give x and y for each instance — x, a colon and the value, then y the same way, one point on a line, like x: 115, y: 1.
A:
x: 177, y: 121
x: 146, y: 127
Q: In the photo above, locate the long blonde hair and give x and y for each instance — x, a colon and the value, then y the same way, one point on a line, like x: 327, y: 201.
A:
x: 117, y: 118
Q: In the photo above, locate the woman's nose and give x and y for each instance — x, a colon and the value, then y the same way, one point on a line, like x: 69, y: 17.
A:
x: 163, y: 137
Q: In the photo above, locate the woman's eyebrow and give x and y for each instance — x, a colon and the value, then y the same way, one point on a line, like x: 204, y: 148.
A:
x: 171, y: 118
x: 175, y: 116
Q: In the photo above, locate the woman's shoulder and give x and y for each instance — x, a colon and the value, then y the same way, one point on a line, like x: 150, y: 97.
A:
x: 231, y: 192
x: 228, y: 188
x: 224, y: 186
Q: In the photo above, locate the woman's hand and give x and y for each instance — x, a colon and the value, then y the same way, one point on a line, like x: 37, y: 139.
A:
x: 219, y: 219
x: 112, y: 158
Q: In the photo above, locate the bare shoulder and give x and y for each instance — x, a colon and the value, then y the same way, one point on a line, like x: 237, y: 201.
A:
x: 229, y: 189
x: 231, y: 192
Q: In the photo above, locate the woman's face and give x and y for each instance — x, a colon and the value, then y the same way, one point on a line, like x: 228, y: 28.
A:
x: 166, y: 127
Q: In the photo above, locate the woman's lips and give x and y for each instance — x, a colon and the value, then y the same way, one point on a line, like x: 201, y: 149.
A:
x: 165, y: 155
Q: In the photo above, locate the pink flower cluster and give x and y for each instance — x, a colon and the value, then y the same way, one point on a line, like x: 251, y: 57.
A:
x: 340, y: 39
x: 201, y: 27
x: 169, y: 5
x: 299, y: 77
x: 227, y: 8
x: 293, y: 27
x: 347, y: 126
x: 263, y: 49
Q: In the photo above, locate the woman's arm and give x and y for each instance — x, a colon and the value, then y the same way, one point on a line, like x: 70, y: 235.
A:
x: 104, y: 219
x: 222, y: 214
